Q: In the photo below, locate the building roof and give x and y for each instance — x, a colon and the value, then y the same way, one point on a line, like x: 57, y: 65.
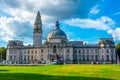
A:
x: 57, y: 33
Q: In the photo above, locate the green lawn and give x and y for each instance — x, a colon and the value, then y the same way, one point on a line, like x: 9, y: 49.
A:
x: 61, y: 72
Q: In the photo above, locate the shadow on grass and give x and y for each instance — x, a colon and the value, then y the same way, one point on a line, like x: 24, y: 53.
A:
x: 31, y: 76
x: 3, y: 70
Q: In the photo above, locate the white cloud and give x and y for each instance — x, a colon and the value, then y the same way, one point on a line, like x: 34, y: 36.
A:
x: 103, y: 23
x: 53, y: 9
x: 12, y: 28
x: 115, y: 33
x: 94, y: 10
x: 22, y: 15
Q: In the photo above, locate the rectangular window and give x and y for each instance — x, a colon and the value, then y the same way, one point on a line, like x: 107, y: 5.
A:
x: 87, y: 57
x: 79, y: 51
x: 107, y: 57
x: 75, y: 51
x: 28, y: 52
x: 107, y: 50
x: 31, y: 57
x: 32, y: 51
x: 83, y: 57
x: 68, y: 51
x: 24, y: 57
x: 80, y: 58
x: 96, y: 57
x: 42, y: 51
x: 35, y: 51
x: 35, y: 57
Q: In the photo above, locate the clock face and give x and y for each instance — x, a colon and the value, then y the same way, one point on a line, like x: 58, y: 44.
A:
x: 36, y: 27
x: 102, y: 45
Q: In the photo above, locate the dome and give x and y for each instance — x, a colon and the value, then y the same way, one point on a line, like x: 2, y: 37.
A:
x: 57, y: 33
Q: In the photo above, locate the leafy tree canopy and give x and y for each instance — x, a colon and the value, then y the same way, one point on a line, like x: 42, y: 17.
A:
x: 118, y: 50
x: 2, y: 53
x: 118, y: 46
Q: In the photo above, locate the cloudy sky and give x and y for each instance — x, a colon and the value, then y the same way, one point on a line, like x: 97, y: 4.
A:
x: 86, y: 20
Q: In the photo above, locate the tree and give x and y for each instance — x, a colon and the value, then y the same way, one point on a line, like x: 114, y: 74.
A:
x: 118, y: 50
x: 2, y: 53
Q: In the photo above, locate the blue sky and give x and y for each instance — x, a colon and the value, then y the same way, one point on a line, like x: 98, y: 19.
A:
x: 86, y: 20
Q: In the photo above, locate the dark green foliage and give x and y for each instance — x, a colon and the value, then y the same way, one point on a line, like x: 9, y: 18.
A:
x: 118, y: 50
x: 2, y: 53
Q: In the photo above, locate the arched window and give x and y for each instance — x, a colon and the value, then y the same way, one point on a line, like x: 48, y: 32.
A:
x: 54, y: 49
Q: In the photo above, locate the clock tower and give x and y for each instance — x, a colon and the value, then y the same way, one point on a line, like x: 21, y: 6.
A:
x: 37, y: 37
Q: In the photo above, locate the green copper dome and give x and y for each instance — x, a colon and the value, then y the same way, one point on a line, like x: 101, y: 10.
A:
x: 57, y: 33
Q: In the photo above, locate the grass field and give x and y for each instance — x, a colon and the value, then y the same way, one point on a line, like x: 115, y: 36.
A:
x: 61, y: 72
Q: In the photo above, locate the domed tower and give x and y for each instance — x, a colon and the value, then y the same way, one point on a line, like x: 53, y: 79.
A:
x: 55, y: 40
x: 56, y: 35
x: 37, y: 37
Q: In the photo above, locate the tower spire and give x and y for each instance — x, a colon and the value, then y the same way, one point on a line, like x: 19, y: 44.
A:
x: 37, y: 39
x: 38, y: 15
x: 38, y: 23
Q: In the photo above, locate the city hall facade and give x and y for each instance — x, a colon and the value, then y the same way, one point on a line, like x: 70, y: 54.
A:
x: 58, y: 47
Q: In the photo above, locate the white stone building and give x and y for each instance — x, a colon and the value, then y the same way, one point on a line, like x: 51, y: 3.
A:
x: 58, y: 47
